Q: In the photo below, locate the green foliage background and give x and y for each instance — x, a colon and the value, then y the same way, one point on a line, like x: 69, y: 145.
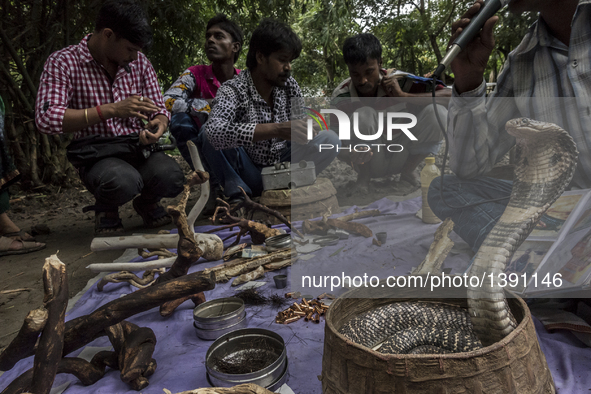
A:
x: 414, y: 35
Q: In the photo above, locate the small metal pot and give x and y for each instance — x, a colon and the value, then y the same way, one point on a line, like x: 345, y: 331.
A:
x: 231, y: 349
x: 280, y: 281
x: 215, y: 318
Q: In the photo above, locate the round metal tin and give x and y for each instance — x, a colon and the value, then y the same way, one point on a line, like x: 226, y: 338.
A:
x: 215, y: 318
x: 231, y: 347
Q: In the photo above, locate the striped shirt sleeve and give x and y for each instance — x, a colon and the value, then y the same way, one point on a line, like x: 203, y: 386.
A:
x: 476, y: 128
x: 55, y: 89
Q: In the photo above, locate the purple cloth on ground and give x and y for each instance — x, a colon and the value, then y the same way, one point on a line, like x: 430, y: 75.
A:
x: 181, y: 355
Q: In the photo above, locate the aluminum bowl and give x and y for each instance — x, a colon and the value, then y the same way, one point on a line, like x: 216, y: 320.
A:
x: 245, y: 347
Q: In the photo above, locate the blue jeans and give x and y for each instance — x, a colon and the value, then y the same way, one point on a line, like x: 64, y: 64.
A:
x: 471, y: 224
x: 184, y: 128
x: 234, y: 168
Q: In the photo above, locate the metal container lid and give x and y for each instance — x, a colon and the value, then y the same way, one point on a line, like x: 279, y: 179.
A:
x: 278, y: 241
x: 218, y: 313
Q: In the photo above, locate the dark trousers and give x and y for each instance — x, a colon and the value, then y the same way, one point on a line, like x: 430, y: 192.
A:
x: 472, y: 224
x: 4, y: 201
x: 114, y: 181
x: 184, y: 129
x: 234, y: 168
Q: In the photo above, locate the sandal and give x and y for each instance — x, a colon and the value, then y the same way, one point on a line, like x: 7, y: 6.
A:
x: 21, y: 235
x: 26, y: 247
x: 155, y: 217
x: 107, y: 226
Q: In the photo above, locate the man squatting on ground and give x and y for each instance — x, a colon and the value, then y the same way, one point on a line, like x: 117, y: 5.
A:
x: 104, y: 87
x: 256, y: 114
x: 190, y: 96
x: 366, y: 92
x: 553, y: 60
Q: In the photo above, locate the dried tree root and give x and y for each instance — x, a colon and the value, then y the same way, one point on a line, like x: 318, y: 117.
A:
x: 438, y: 250
x: 161, y: 253
x: 258, y: 231
x: 25, y: 340
x: 252, y: 275
x: 223, y: 274
x: 359, y: 215
x: 129, y: 277
x: 318, y: 227
x: 55, y: 300
x: 134, y: 346
x: 188, y: 250
x: 254, y: 206
x: 277, y: 265
x: 87, y: 372
x: 321, y: 227
x: 248, y: 388
x: 84, y: 329
x: 351, y: 227
x: 169, y: 307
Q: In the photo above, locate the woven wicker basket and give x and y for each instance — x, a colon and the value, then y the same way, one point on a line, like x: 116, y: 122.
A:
x: 514, y: 365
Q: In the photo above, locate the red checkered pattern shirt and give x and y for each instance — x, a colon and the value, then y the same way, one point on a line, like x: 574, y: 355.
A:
x: 71, y: 78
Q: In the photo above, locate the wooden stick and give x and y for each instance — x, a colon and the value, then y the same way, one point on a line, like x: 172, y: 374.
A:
x: 25, y: 340
x: 49, y: 351
x: 132, y: 266
x: 15, y: 290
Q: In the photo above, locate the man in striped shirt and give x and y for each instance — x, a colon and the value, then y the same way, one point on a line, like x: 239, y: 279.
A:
x: 546, y: 78
x: 102, y: 88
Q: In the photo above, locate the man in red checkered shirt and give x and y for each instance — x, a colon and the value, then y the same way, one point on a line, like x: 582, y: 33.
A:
x: 104, y: 90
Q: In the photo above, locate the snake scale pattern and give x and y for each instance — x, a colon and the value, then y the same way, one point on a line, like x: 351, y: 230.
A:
x: 546, y: 158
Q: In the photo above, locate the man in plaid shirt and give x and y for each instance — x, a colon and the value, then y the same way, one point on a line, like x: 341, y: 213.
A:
x: 257, y: 118
x: 552, y: 61
x: 104, y: 88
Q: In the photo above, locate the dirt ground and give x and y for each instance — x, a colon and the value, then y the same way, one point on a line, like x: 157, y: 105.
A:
x: 70, y: 232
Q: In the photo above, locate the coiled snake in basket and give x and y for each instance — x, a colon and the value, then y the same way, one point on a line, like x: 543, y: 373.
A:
x: 546, y: 158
